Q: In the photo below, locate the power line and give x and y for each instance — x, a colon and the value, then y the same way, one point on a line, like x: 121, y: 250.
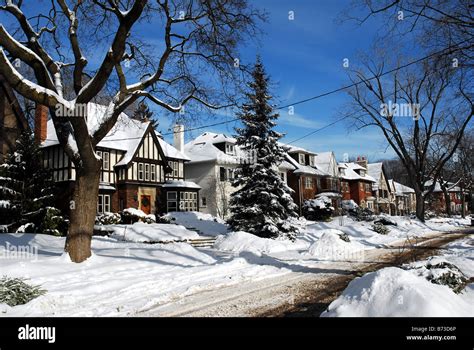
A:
x: 449, y: 49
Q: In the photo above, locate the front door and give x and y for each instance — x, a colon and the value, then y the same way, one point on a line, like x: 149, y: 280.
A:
x: 145, y: 204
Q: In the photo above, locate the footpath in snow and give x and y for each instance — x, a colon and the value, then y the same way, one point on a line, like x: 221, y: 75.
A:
x: 127, y: 277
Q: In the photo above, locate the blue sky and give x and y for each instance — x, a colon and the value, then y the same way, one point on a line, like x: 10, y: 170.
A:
x: 304, y: 58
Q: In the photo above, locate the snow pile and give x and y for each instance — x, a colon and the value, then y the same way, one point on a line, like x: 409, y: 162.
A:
x: 206, y: 224
x: 332, y: 247
x: 138, y: 213
x: 240, y: 241
x: 393, y: 292
x: 321, y: 202
x: 151, y: 233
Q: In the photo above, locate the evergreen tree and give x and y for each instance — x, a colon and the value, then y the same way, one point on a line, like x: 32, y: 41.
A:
x: 144, y: 114
x: 263, y: 204
x: 25, y: 184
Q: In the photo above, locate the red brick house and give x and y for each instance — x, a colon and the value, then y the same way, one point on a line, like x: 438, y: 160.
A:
x: 356, y: 184
x: 437, y: 202
x: 139, y: 169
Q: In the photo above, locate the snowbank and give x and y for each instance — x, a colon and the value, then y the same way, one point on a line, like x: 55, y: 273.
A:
x: 393, y: 292
x: 331, y: 247
x: 150, y: 233
x: 206, y: 224
x: 240, y: 241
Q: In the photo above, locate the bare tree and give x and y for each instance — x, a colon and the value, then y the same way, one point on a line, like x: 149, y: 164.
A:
x: 413, y: 108
x: 194, y: 63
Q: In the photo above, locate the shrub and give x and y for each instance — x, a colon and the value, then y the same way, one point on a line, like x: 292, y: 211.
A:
x: 14, y: 291
x: 108, y: 219
x: 164, y: 219
x: 345, y: 237
x: 318, y: 209
x: 385, y: 221
x: 361, y: 214
x: 380, y: 229
x: 26, y: 228
x: 132, y: 215
x: 54, y: 223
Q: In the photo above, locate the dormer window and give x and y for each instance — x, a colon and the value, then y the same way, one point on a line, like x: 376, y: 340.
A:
x: 301, y: 158
x: 342, y: 171
x: 362, y: 173
x: 229, y: 148
x: 311, y: 160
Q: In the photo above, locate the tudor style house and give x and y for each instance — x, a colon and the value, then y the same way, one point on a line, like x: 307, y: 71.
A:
x: 404, y: 198
x: 381, y: 190
x: 12, y: 119
x: 139, y: 169
x: 356, y: 184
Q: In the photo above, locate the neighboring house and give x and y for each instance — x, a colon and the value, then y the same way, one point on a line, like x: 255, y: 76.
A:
x: 436, y: 201
x: 404, y: 198
x: 12, y: 120
x: 214, y: 158
x: 306, y: 178
x: 356, y: 184
x: 384, y: 201
x: 139, y: 169
x: 330, y: 183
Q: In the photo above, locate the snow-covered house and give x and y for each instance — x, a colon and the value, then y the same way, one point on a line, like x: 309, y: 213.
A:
x: 307, y: 178
x: 403, y: 197
x: 381, y: 190
x: 12, y: 119
x: 356, y: 184
x: 213, y: 160
x: 139, y: 169
x: 437, y: 201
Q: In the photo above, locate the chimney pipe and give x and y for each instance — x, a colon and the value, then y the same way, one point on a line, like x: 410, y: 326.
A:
x: 41, y: 120
x: 178, y: 137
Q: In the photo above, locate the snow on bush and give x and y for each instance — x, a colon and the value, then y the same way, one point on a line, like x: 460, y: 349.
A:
x: 438, y: 270
x: 333, y: 246
x: 4, y: 204
x: 385, y: 220
x: 132, y: 215
x: 349, y: 204
x: 246, y: 242
x: 108, y: 219
x: 26, y: 228
x: 14, y: 291
x: 54, y: 223
x: 207, y: 224
x: 380, y: 228
x: 318, y: 209
x: 394, y: 292
x: 151, y: 233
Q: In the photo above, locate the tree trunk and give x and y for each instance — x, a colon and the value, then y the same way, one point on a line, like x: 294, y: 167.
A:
x: 447, y: 201
x: 420, y: 206
x: 82, y: 215
x: 463, y: 204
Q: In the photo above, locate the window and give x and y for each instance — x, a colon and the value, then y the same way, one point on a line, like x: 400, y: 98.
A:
x: 367, y: 188
x: 370, y: 205
x: 362, y: 173
x: 301, y: 158
x: 171, y: 201
x: 283, y: 176
x: 153, y: 172
x: 175, y: 168
x: 342, y: 172
x: 147, y: 172
x: 222, y: 174
x: 229, y: 149
x: 106, y: 160
x: 140, y: 171
x: 311, y: 160
x: 361, y: 186
x: 103, y: 203
x: 308, y: 182
x: 230, y: 174
x: 203, y: 202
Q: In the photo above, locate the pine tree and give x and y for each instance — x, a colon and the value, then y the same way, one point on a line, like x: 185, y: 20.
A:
x: 143, y: 113
x: 25, y: 184
x: 263, y: 204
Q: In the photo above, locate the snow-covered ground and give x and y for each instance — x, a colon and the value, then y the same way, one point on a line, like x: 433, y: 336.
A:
x: 408, y: 292
x: 126, y: 277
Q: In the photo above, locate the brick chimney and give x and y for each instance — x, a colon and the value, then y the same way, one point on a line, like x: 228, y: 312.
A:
x: 41, y: 119
x: 178, y: 137
x: 362, y: 161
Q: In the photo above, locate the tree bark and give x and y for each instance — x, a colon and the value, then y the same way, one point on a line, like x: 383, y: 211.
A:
x: 82, y: 214
x: 447, y: 200
x: 420, y: 206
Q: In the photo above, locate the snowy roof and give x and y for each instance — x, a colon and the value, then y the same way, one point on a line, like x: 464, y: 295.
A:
x: 351, y: 174
x: 212, y: 137
x: 294, y: 149
x: 125, y: 135
x: 202, y: 149
x: 375, y: 170
x: 451, y: 186
x: 181, y: 183
x: 304, y: 169
x: 400, y: 189
x: 170, y: 151
x: 326, y: 162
